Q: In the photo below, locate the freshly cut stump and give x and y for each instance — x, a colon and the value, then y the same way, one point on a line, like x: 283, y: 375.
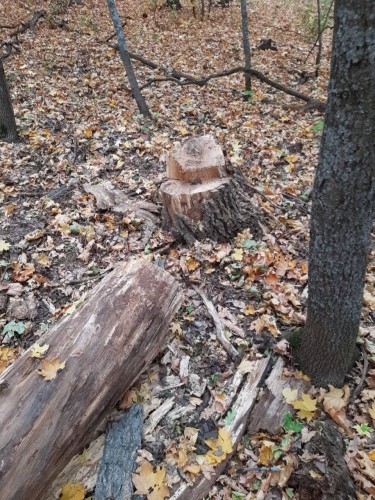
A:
x: 201, y: 200
x: 105, y: 345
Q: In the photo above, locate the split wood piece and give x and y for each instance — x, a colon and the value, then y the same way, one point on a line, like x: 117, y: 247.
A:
x: 216, y: 209
x: 123, y: 440
x: 199, y: 159
x: 82, y: 468
x: 106, y: 345
x: 218, y: 325
x: 109, y: 198
x: 268, y: 414
x: 241, y: 410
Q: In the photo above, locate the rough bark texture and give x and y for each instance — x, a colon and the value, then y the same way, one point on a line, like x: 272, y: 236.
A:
x: 201, y: 200
x: 343, y: 199
x: 106, y: 345
x: 332, y: 476
x: 246, y: 44
x: 123, y: 440
x: 125, y: 57
x: 8, y: 129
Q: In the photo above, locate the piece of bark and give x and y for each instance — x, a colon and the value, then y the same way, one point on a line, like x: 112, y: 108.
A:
x: 241, y: 410
x: 123, y: 440
x: 324, y: 479
x: 199, y: 159
x: 107, y: 197
x: 217, y: 209
x: 268, y: 414
x: 105, y: 345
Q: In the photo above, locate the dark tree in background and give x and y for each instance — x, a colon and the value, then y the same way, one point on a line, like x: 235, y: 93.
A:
x: 343, y: 205
x: 246, y: 44
x: 173, y: 4
x: 8, y: 130
x: 125, y: 57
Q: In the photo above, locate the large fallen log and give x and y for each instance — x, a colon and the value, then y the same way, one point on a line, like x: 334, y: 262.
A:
x: 105, y: 345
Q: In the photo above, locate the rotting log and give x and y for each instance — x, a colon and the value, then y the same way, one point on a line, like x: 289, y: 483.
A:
x: 201, y: 199
x: 106, y: 345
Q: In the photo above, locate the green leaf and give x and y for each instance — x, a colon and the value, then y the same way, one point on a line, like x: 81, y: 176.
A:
x: 236, y: 495
x: 212, y: 379
x: 291, y: 424
x: 249, y: 244
x: 229, y: 417
x: 12, y: 328
x: 363, y: 429
x: 318, y: 126
x: 289, y: 492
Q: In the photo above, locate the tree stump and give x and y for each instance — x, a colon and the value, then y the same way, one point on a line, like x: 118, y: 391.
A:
x: 201, y: 199
x: 105, y: 346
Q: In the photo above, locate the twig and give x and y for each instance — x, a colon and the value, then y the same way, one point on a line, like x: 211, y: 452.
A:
x: 183, y: 79
x: 219, y: 327
x: 358, y: 389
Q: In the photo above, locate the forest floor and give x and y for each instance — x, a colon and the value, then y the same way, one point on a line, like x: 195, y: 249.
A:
x: 78, y: 124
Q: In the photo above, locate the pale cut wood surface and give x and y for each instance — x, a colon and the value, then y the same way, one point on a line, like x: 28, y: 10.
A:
x: 199, y: 159
x: 106, y: 345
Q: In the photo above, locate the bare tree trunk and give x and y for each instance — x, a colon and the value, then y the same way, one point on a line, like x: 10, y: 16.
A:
x: 246, y: 44
x: 8, y: 129
x: 124, y: 53
x: 320, y: 35
x: 343, y: 206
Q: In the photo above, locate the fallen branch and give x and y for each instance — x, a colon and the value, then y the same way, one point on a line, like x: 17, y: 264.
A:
x: 218, y: 325
x: 358, y: 389
x: 21, y: 28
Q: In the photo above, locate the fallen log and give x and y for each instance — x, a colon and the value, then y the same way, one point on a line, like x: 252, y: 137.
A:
x: 105, y: 346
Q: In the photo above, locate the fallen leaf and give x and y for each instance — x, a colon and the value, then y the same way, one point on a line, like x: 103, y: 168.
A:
x: 245, y: 366
x: 7, y: 356
x: 149, y: 481
x: 248, y: 310
x: 4, y: 246
x: 266, y: 453
x: 38, y: 351
x: 306, y: 407
x: 49, y: 368
x: 372, y: 411
x: 290, y: 395
x: 72, y: 491
x: 220, y: 447
x: 334, y: 403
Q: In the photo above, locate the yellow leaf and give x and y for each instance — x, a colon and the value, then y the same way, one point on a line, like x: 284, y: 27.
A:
x: 371, y: 455
x: 88, y: 133
x: 306, y: 407
x: 49, y: 368
x: 7, y: 356
x: 265, y: 453
x: 191, y: 263
x: 71, y: 491
x: 290, y: 395
x: 149, y: 481
x: 248, y: 310
x: 38, y: 351
x: 220, y: 447
x: 372, y: 411
x: 43, y: 260
x: 237, y: 254
x: 245, y: 366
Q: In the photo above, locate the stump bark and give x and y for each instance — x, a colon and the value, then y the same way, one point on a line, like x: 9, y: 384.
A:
x: 201, y: 199
x: 105, y: 345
